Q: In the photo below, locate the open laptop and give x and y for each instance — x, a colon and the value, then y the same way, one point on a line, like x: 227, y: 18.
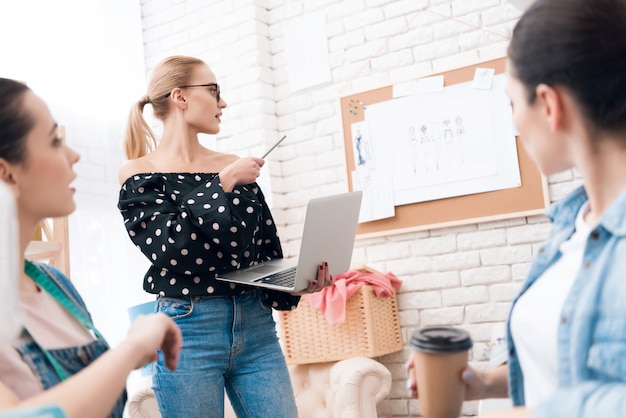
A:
x: 328, y: 235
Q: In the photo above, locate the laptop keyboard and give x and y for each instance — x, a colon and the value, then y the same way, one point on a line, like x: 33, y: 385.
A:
x: 285, y: 278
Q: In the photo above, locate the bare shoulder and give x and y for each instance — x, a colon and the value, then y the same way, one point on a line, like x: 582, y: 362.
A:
x: 208, y: 161
x: 215, y: 162
x: 132, y: 167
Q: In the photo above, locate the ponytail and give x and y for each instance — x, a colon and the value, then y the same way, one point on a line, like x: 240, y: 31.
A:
x: 170, y: 73
x: 139, y: 139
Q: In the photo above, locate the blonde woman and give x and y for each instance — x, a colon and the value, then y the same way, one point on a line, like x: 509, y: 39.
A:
x: 195, y: 212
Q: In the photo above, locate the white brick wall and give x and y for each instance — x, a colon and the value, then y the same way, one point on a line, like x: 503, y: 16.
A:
x: 463, y: 276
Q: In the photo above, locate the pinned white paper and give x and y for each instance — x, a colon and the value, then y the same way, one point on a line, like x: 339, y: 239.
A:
x: 430, y: 84
x: 423, y: 85
x: 370, y: 176
x: 483, y: 78
x: 404, y: 89
x: 307, y: 52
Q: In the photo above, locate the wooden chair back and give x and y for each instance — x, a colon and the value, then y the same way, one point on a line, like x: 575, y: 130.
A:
x: 51, y: 244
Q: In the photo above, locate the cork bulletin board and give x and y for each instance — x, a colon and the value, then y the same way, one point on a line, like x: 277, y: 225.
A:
x: 531, y: 198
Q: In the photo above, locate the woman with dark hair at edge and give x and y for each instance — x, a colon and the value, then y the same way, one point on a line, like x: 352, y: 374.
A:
x: 59, y: 358
x: 566, y: 331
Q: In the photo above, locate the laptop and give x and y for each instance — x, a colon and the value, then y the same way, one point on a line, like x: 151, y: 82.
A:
x: 328, y: 235
x: 9, y: 267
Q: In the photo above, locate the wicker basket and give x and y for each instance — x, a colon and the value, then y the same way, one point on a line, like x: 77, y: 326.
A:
x: 371, y: 329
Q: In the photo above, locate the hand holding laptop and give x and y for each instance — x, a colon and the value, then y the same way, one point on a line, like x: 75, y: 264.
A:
x: 324, y: 278
x: 326, y: 248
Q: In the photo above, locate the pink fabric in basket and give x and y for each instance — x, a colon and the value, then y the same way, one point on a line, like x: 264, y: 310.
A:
x: 332, y: 300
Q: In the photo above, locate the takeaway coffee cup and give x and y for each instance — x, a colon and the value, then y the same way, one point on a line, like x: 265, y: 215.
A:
x: 439, y: 357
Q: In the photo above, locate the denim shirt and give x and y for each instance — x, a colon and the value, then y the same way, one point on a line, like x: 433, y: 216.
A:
x: 72, y: 359
x: 592, y: 329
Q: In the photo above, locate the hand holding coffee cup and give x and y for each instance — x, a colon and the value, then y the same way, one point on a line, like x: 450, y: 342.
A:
x: 439, y: 358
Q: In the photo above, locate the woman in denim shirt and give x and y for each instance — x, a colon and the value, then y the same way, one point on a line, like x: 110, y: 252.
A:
x: 566, y: 332
x: 59, y: 358
x: 567, y: 327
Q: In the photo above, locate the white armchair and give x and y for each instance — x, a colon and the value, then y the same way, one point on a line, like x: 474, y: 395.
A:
x: 348, y: 388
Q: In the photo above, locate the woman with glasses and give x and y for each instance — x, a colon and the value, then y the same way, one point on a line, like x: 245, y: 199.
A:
x: 194, y: 213
x: 59, y: 357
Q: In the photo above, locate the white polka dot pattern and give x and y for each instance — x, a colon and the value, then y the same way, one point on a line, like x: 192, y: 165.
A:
x: 190, y: 229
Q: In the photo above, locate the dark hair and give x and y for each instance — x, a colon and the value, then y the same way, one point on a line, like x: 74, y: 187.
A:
x: 15, y: 121
x: 579, y: 45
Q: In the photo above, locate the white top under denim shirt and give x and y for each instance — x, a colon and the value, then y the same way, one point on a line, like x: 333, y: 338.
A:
x: 591, y: 340
x: 536, y: 317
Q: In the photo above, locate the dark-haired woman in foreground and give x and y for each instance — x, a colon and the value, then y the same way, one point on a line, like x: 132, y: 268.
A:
x: 60, y: 358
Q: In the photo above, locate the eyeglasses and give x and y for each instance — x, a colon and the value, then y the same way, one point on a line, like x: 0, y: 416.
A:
x: 214, y: 89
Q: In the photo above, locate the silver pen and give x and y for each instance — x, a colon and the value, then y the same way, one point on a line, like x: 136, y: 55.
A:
x: 273, y: 146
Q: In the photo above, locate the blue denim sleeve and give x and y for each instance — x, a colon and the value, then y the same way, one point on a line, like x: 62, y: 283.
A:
x: 591, y: 399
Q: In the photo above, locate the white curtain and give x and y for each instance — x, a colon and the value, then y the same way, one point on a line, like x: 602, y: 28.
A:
x: 85, y: 59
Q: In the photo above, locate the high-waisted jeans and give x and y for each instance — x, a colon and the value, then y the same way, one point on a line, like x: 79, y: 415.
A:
x: 229, y: 343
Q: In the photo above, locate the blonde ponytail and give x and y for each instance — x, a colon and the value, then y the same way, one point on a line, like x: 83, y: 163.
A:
x: 139, y: 139
x: 172, y: 72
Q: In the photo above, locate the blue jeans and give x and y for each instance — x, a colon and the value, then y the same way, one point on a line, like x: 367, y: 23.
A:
x: 229, y: 343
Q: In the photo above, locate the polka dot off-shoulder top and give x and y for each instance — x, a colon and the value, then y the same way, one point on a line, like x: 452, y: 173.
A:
x: 191, y: 229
